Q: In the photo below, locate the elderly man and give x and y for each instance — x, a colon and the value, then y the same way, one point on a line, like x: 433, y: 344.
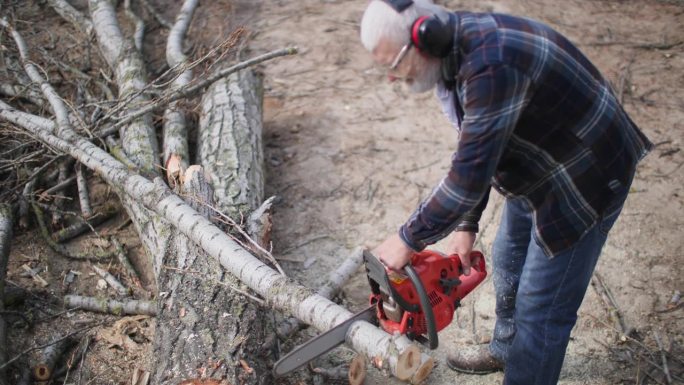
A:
x: 536, y: 121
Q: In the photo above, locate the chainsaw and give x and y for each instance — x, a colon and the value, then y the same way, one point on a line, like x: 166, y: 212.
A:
x: 417, y: 304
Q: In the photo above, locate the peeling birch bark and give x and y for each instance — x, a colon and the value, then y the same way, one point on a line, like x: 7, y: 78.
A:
x: 397, y: 354
x: 259, y: 224
x: 110, y: 306
x: 5, y: 243
x: 176, y: 154
x: 230, y: 147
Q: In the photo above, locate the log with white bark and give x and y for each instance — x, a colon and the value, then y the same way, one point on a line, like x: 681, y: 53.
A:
x: 397, y: 354
x: 138, y: 137
x: 110, y: 306
x: 5, y: 242
x: 83, y: 195
x: 44, y: 369
x: 229, y: 141
x: 176, y: 154
x: 336, y: 279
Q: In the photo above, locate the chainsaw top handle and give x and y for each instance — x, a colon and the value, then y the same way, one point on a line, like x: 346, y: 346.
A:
x: 425, y: 305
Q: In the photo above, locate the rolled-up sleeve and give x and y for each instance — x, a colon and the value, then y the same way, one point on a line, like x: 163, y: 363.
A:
x: 493, y: 100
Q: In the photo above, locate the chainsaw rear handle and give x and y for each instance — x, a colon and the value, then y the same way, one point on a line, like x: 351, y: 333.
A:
x: 425, y: 306
x: 478, y: 272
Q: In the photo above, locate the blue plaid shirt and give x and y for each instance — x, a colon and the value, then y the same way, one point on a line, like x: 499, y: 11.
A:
x: 537, y: 122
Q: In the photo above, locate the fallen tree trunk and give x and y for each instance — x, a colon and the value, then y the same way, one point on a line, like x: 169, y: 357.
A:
x: 200, y: 320
x: 230, y: 147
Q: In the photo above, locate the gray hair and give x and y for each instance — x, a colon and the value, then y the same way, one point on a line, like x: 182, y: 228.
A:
x: 381, y: 22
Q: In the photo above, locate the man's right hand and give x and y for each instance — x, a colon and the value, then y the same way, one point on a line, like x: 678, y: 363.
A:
x: 461, y: 243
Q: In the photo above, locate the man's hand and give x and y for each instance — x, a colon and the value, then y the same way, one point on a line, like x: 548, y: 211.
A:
x: 461, y: 243
x: 393, y: 252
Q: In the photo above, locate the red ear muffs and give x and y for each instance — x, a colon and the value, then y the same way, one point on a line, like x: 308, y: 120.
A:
x: 415, y: 32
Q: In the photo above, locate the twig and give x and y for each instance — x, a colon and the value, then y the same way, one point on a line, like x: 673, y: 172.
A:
x: 191, y: 90
x: 112, y: 281
x: 228, y: 220
x: 125, y: 262
x: 235, y: 289
x: 83, y: 224
x: 83, y: 196
x: 58, y: 340
x: 139, y: 25
x: 661, y: 350
x: 157, y: 16
x: 603, y: 290
x: 98, y: 256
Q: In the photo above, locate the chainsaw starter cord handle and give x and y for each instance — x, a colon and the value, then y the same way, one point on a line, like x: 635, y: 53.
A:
x: 425, y: 304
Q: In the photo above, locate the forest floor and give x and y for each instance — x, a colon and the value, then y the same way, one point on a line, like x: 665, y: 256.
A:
x: 350, y: 156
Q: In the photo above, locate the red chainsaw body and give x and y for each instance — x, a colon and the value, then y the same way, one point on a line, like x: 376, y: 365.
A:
x: 444, y: 284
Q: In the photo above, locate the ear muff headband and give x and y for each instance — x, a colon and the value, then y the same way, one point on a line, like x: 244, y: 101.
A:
x: 399, y: 5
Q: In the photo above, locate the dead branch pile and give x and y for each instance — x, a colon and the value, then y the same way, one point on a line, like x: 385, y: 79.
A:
x: 79, y: 127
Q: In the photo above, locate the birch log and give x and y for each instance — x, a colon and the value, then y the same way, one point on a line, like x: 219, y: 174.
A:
x: 138, y: 137
x: 5, y: 242
x: 176, y: 154
x: 332, y: 286
x: 230, y: 142
x: 110, y: 306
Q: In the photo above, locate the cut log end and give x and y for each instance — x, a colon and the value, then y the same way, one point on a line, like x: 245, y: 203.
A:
x: 357, y: 370
x: 174, y: 170
x: 408, y: 362
x: 426, y: 365
x: 41, y: 372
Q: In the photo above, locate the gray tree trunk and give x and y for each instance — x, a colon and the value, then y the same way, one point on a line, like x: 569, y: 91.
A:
x: 201, y: 319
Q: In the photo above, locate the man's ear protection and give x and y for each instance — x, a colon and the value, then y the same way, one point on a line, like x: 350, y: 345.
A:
x: 430, y: 34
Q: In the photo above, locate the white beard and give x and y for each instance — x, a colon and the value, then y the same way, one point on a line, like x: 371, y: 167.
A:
x: 427, y: 79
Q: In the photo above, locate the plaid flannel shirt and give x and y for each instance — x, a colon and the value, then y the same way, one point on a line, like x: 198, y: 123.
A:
x: 537, y: 122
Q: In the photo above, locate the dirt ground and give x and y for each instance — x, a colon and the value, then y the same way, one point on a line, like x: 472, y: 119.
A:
x: 350, y: 156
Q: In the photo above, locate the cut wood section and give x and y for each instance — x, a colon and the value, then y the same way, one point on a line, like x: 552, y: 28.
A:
x: 230, y: 142
x: 357, y: 370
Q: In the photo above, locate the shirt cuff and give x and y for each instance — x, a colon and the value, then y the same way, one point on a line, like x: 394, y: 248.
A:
x: 406, y: 236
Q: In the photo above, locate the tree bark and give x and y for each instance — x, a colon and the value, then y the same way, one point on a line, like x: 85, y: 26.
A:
x: 199, y: 320
x: 230, y: 142
x: 5, y: 242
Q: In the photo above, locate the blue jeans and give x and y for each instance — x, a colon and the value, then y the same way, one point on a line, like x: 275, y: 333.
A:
x: 537, y: 297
